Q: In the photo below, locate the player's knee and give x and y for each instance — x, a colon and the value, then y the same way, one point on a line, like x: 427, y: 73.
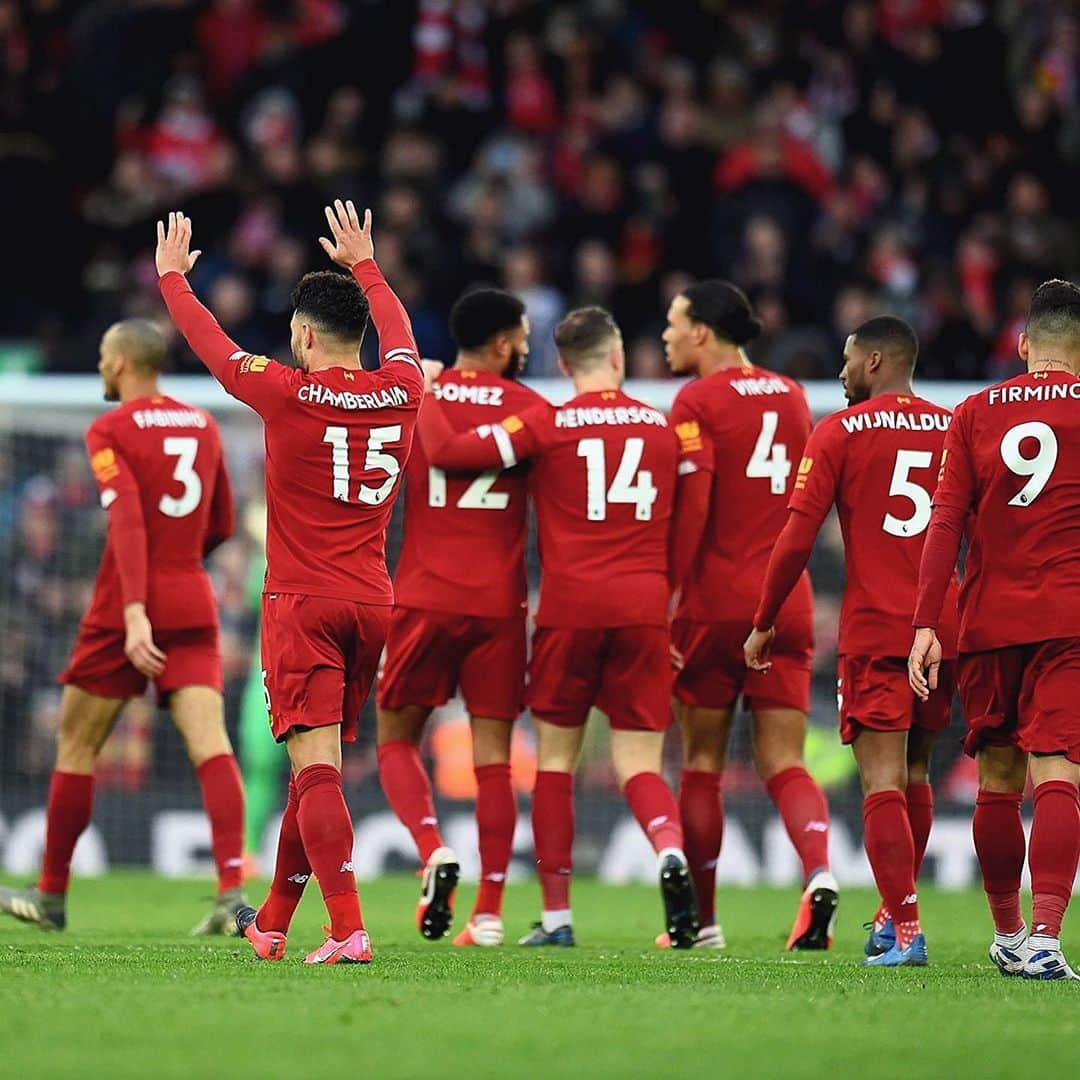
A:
x: 400, y: 725
x: 491, y: 741
x: 77, y: 747
x: 207, y: 742
x: 771, y: 759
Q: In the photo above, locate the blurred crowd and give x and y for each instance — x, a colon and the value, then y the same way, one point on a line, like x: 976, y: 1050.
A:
x: 836, y: 158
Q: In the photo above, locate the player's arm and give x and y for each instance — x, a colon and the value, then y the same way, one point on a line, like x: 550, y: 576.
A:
x: 490, y: 446
x: 222, y: 523
x: 813, y: 497
x: 693, y: 491
x: 353, y: 248
x: 256, y: 381
x: 953, y: 501
x: 119, y: 495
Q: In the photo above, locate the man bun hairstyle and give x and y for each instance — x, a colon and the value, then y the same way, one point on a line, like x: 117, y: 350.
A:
x: 584, y: 337
x: 333, y: 303
x: 891, y: 336
x: 1055, y: 312
x: 724, y: 308
x: 481, y: 314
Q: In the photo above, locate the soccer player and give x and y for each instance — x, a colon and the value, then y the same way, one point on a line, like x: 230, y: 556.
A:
x: 740, y: 428
x: 877, y: 462
x: 161, y: 475
x: 1011, y: 477
x: 459, y: 617
x: 337, y: 437
x: 603, y: 484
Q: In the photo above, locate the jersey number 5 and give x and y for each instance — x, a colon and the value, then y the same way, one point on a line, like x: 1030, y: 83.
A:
x: 628, y: 486
x: 184, y: 449
x: 902, y: 484
x: 375, y: 458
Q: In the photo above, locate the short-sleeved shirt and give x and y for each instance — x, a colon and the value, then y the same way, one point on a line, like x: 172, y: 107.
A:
x: 168, y: 455
x: 463, y: 546
x: 1012, y: 463
x: 604, y: 484
x: 746, y: 427
x: 878, y: 462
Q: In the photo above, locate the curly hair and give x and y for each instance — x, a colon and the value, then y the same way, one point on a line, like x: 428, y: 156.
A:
x: 333, y: 303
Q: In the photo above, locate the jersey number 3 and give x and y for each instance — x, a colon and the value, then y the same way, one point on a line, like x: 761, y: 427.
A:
x: 375, y: 457
x: 184, y: 449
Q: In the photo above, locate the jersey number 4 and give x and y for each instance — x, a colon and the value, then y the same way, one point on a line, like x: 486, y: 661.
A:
x: 375, y: 457
x: 769, y: 460
x: 629, y: 485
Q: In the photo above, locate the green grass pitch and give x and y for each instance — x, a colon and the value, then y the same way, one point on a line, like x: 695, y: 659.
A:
x: 125, y: 993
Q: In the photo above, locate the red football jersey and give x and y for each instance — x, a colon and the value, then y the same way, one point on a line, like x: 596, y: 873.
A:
x: 161, y: 475
x: 1012, y: 463
x: 603, y: 484
x: 336, y: 442
x: 463, y: 546
x: 747, y: 427
x: 878, y: 463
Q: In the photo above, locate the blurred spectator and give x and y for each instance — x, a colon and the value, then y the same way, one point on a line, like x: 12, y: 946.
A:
x: 828, y: 157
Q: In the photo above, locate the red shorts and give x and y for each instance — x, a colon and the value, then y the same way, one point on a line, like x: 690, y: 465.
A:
x: 714, y: 671
x: 1023, y: 696
x: 99, y: 666
x: 429, y: 654
x: 874, y: 692
x: 319, y: 660
x: 625, y: 672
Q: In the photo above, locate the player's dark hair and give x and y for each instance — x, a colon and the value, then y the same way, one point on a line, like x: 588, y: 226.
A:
x: 333, y: 303
x: 583, y: 337
x: 890, y: 335
x: 481, y: 314
x: 1054, y: 311
x: 142, y: 342
x: 724, y: 308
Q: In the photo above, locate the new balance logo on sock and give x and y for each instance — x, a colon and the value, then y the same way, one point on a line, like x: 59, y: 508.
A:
x: 656, y: 823
x: 429, y: 821
x: 495, y: 877
x: 346, y: 867
x: 816, y: 826
x: 234, y: 862
x: 299, y: 879
x: 911, y: 898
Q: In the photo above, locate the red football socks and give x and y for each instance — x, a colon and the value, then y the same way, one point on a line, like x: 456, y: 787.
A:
x: 652, y: 803
x: 71, y: 802
x: 1053, y: 854
x: 327, y: 833
x: 702, y: 811
x: 553, y: 837
x: 805, y: 814
x: 496, y: 817
x: 223, y: 798
x: 891, y: 852
x: 407, y: 788
x: 291, y: 871
x: 920, y: 812
x: 1000, y: 846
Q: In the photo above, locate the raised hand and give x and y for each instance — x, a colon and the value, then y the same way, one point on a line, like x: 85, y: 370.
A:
x: 352, y: 241
x: 173, y: 243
